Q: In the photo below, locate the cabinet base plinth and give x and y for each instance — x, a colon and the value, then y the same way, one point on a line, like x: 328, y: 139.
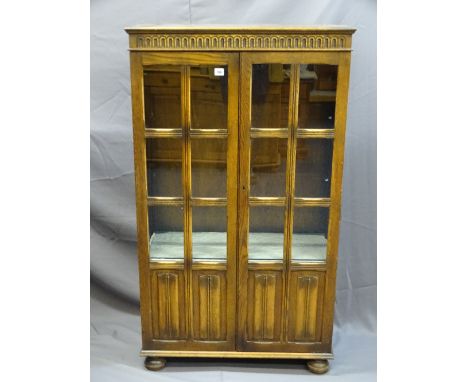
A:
x: 318, y: 366
x: 155, y: 363
x: 234, y: 354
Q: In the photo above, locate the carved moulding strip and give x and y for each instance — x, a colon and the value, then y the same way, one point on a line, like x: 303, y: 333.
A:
x: 227, y: 41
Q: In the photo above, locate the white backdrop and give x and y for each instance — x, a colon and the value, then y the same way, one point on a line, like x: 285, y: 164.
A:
x: 115, y: 338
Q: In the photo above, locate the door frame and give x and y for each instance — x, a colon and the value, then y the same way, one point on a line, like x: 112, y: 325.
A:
x: 323, y: 344
x: 138, y: 61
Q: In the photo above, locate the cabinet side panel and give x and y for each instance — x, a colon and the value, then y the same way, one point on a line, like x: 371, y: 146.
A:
x: 136, y: 70
x: 336, y: 188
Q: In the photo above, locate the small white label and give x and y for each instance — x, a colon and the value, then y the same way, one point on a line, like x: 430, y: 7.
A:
x: 219, y: 72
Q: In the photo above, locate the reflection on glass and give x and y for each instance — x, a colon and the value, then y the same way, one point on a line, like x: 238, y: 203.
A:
x: 270, y: 95
x: 310, y: 233
x: 268, y: 166
x: 266, y: 232
x: 208, y: 89
x: 164, y: 166
x: 162, y: 97
x: 166, y: 230
x: 313, y: 167
x: 209, y: 167
x: 317, y: 93
x: 209, y: 233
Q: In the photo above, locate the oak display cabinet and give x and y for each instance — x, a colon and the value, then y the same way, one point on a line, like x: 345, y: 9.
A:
x: 239, y: 141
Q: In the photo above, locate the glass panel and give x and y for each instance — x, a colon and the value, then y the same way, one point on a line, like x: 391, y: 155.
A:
x: 164, y: 166
x: 266, y: 233
x: 268, y: 166
x: 209, y: 167
x: 166, y: 230
x: 209, y: 233
x: 162, y: 97
x: 310, y: 233
x: 270, y: 95
x: 317, y: 93
x: 209, y: 93
x: 313, y: 167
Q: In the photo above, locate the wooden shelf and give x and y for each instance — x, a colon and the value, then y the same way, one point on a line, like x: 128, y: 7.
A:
x: 322, y: 96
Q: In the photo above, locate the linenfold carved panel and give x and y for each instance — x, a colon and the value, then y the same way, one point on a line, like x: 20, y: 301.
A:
x: 306, y: 299
x: 209, y: 318
x: 264, y: 306
x: 168, y: 304
x: 164, y: 41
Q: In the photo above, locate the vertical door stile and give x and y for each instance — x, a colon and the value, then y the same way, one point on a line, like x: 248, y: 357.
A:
x: 232, y: 191
x: 290, y: 182
x: 243, y: 202
x: 187, y: 182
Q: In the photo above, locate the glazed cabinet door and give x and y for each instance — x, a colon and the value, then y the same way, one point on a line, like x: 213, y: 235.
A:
x: 291, y: 149
x: 185, y: 108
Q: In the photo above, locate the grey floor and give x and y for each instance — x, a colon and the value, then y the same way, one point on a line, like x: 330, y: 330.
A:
x: 115, y: 346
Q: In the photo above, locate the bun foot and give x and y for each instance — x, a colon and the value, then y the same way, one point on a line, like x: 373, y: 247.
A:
x: 318, y: 366
x: 155, y: 363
